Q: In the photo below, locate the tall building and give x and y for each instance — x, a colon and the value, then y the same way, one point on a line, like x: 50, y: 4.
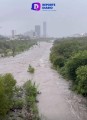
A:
x: 37, y: 31
x: 13, y: 33
x: 44, y: 29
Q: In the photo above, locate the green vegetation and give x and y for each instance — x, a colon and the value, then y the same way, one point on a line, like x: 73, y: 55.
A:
x: 31, y: 69
x: 78, y: 59
x: 13, y: 47
x: 81, y: 80
x: 2, y: 38
x: 21, y: 99
x: 31, y: 99
x: 7, y: 86
x: 69, y: 57
x: 18, y: 103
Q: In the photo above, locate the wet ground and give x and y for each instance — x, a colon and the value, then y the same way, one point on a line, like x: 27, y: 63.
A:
x: 56, y: 101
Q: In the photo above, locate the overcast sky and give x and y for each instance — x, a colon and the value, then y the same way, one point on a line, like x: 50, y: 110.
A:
x: 69, y: 18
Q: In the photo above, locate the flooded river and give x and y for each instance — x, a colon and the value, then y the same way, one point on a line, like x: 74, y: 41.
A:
x: 56, y: 101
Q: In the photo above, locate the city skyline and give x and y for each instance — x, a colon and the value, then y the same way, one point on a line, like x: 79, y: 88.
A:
x: 44, y: 29
x: 37, y: 30
x: 69, y: 18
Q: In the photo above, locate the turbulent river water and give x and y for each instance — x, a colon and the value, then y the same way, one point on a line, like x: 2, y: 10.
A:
x: 56, y: 101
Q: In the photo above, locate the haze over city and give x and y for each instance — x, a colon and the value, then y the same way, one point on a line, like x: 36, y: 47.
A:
x: 43, y: 59
x: 69, y: 18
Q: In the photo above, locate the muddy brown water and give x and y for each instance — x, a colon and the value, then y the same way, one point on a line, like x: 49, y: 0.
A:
x: 56, y: 101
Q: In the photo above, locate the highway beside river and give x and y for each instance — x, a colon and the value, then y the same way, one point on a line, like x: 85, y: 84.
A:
x: 56, y: 101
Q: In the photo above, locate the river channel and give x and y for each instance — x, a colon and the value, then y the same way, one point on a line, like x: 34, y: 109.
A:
x: 56, y: 101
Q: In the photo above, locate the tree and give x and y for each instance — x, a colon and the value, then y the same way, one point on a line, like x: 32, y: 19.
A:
x: 77, y: 60
x: 7, y: 85
x: 81, y: 80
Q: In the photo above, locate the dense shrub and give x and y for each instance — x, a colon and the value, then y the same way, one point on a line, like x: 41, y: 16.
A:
x: 74, y: 62
x: 81, y: 80
x: 20, y: 99
x: 31, y: 69
x: 31, y: 94
x: 13, y: 47
x: 63, y: 49
x: 18, y: 104
x: 7, y: 84
x: 59, y: 61
x: 68, y: 55
x: 31, y: 89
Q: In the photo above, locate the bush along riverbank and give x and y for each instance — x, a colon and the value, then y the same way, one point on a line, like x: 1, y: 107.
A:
x: 13, y: 47
x: 69, y: 57
x: 17, y: 103
x: 31, y: 69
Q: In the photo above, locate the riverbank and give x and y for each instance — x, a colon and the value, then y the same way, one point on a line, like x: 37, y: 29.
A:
x: 17, y: 103
x: 13, y: 47
x: 56, y: 101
